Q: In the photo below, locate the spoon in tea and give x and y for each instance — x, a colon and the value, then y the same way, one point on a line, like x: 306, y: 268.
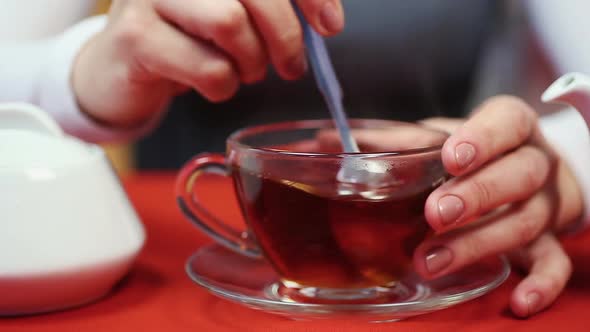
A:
x: 353, y: 170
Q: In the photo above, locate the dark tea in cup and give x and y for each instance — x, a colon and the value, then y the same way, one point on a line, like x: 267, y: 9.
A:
x: 339, y: 239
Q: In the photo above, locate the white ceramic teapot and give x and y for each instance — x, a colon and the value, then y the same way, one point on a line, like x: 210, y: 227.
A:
x: 572, y: 89
x: 67, y: 230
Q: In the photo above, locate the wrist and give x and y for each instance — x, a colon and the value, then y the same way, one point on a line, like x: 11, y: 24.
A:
x: 105, y: 93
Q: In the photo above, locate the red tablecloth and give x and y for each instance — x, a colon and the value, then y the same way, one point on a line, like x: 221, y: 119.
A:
x: 158, y: 296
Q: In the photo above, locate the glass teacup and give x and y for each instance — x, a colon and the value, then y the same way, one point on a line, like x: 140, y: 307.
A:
x: 329, y: 241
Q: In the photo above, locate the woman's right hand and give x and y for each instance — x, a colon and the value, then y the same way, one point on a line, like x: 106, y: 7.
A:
x: 153, y: 49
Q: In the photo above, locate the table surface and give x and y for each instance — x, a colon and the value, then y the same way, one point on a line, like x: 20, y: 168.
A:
x: 158, y: 296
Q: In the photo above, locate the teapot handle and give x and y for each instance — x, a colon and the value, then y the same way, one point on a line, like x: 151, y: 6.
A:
x: 25, y: 116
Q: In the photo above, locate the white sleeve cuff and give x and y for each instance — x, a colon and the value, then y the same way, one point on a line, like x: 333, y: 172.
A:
x: 57, y: 97
x: 567, y: 132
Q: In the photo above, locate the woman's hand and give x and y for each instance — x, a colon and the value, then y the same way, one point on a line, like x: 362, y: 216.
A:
x: 510, y: 194
x: 153, y: 49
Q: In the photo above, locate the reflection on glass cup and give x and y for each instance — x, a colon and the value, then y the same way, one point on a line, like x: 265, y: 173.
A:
x: 327, y: 240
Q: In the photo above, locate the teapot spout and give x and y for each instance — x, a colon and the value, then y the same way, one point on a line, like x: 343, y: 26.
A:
x: 571, y: 89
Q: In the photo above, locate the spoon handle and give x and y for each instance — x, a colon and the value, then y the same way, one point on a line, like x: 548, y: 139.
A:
x: 326, y: 80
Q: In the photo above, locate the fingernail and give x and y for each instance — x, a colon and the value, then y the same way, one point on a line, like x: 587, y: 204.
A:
x: 330, y: 18
x: 438, y: 259
x: 450, y: 208
x: 464, y: 154
x: 297, y: 66
x: 533, y: 300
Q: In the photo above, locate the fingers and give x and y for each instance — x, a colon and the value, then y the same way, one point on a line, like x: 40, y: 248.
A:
x: 278, y: 25
x: 224, y: 23
x: 251, y: 30
x: 509, y: 229
x: 326, y: 16
x: 246, y: 31
x: 513, y: 178
x: 391, y: 138
x: 500, y: 125
x: 159, y: 50
x: 550, y: 270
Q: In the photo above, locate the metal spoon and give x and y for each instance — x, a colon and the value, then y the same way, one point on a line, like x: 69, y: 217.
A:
x: 353, y: 170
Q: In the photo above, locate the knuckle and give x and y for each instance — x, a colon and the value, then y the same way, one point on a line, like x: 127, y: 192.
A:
x: 474, y: 248
x: 482, y: 193
x: 528, y: 228
x: 526, y: 231
x: 131, y: 29
x: 520, y: 118
x: 290, y: 37
x: 536, y: 167
x: 233, y: 19
x: 488, y: 140
x: 525, y: 118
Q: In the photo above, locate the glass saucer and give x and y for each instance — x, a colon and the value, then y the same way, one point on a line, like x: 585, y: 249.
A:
x: 253, y: 282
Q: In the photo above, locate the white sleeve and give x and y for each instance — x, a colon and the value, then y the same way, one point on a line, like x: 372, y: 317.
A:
x: 562, y: 28
x: 567, y: 132
x: 39, y: 72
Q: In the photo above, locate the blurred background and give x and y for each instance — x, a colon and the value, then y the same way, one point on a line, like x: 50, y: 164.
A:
x: 403, y: 60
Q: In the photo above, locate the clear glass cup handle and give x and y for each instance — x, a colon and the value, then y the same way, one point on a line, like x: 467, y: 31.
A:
x: 198, y: 214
